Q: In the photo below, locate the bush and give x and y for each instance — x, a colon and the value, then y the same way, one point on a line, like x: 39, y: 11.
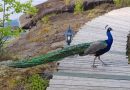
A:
x: 36, y: 82
x: 78, y: 6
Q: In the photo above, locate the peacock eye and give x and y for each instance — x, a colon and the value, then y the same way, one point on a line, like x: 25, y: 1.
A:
x: 109, y: 28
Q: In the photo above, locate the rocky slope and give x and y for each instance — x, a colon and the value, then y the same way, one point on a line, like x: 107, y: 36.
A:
x: 49, y: 35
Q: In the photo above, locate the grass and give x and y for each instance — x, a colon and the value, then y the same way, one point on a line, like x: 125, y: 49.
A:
x: 121, y: 3
x: 5, y: 55
x: 94, y: 13
x: 46, y: 18
x: 40, y: 36
x: 32, y: 82
x: 78, y: 6
x: 36, y: 82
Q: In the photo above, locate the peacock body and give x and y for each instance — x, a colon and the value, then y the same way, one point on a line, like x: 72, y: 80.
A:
x: 98, y: 48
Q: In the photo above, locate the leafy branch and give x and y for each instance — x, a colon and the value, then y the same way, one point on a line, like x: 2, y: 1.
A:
x: 8, y: 7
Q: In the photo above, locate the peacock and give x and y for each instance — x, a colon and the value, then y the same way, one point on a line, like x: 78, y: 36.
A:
x: 96, y: 48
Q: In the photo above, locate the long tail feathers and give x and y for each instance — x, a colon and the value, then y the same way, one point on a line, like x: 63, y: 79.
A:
x: 50, y: 57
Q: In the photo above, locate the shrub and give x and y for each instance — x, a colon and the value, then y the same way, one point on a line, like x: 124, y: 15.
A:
x: 36, y: 82
x: 78, y: 6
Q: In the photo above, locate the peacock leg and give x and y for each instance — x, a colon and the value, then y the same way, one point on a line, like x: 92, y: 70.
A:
x: 101, y: 61
x: 94, y: 66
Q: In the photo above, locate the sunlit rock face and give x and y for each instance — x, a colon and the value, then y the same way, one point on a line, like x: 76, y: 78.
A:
x: 57, y: 6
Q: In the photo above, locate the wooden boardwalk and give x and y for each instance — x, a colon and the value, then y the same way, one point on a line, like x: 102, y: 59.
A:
x: 76, y: 73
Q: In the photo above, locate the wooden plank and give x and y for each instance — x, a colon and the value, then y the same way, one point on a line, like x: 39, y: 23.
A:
x: 84, y: 88
x: 68, y: 75
x: 92, y: 83
x: 100, y: 25
x: 111, y: 21
x: 94, y: 72
x: 100, y: 68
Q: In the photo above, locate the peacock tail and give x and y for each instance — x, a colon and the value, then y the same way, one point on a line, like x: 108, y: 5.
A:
x: 51, y: 56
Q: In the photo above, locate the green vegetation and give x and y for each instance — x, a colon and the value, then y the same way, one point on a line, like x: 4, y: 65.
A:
x: 95, y: 12
x: 31, y: 82
x: 6, y: 7
x: 46, y: 18
x: 120, y: 3
x: 78, y: 6
x: 36, y: 82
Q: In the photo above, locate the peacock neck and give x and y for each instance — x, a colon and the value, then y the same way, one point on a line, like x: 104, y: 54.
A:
x: 110, y: 38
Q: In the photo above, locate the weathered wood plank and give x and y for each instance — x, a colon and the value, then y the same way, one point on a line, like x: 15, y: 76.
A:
x: 85, y: 88
x: 90, y: 82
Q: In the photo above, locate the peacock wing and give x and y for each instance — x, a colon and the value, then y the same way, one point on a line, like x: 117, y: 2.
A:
x: 95, y: 46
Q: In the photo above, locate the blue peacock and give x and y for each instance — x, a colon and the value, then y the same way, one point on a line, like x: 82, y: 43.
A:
x: 96, y: 48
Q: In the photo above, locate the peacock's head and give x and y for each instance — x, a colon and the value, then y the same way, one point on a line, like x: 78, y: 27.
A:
x: 108, y: 28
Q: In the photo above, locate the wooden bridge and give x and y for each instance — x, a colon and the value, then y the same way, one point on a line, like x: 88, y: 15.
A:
x: 76, y: 73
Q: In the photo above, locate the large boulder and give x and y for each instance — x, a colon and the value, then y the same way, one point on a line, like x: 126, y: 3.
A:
x: 55, y: 6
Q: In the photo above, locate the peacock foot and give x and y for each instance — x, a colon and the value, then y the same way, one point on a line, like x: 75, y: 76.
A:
x: 94, y: 66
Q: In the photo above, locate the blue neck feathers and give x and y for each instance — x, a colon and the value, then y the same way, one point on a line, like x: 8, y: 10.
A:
x: 110, y: 38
